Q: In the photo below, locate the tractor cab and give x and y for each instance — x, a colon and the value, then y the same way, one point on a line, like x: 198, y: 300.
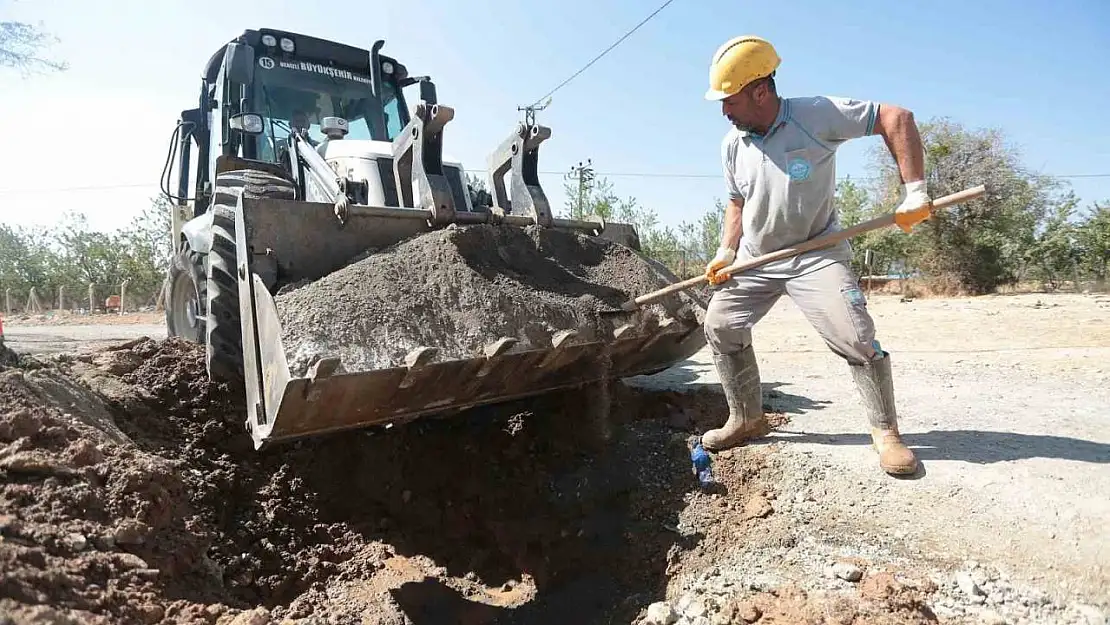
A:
x: 266, y: 84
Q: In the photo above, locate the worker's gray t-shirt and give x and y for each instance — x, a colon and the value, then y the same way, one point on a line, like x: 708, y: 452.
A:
x: 787, y: 179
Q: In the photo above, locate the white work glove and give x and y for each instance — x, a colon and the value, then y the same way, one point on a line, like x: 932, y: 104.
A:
x: 724, y: 258
x: 916, y: 205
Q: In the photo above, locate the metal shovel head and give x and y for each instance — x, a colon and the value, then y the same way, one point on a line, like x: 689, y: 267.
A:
x: 299, y: 240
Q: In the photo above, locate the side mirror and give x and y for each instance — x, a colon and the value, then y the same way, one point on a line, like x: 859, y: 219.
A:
x: 239, y: 63
x: 428, y: 90
x: 427, y: 87
x: 246, y: 123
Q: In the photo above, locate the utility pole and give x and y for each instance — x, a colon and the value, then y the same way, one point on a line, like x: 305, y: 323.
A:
x: 584, y: 174
x: 530, y: 111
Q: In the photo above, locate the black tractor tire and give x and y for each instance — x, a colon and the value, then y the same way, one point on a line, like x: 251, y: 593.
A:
x: 224, y: 341
x: 186, y: 296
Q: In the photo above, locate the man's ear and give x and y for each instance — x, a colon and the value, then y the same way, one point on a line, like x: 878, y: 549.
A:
x: 762, y: 92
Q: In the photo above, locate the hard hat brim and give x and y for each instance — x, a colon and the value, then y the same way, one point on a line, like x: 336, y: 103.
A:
x: 715, y: 95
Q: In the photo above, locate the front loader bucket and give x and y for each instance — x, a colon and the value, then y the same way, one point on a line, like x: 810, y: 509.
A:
x: 284, y: 241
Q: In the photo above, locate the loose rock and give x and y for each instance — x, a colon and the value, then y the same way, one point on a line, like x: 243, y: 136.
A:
x: 748, y: 612
x: 968, y: 585
x: 847, y: 571
x: 757, y: 507
x: 130, y: 532
x: 660, y: 613
x: 258, y: 616
x: 76, y: 542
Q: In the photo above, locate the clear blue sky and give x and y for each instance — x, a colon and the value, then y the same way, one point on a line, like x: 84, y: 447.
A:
x: 1038, y: 72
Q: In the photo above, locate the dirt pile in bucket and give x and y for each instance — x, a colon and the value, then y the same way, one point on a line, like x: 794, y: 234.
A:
x: 462, y: 288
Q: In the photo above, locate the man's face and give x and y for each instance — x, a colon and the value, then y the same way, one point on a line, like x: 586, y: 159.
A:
x: 300, y: 121
x: 744, y: 107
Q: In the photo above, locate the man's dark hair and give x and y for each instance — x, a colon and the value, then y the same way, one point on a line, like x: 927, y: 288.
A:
x: 770, y: 80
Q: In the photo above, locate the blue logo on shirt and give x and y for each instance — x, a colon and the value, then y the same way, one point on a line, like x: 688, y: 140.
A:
x: 798, y: 168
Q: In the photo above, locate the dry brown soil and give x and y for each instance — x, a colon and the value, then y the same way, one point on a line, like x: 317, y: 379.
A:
x: 131, y: 494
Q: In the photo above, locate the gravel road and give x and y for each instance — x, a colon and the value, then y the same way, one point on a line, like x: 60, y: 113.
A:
x: 1004, y: 400
x: 52, y: 339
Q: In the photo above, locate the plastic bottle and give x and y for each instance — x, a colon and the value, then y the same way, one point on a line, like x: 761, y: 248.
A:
x: 702, y: 465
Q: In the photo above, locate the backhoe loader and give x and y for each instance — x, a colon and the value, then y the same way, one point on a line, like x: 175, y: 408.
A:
x: 263, y: 203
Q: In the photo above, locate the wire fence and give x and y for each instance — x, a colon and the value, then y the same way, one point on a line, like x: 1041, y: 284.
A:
x: 685, y: 263
x: 94, y: 299
x: 897, y: 277
x: 120, y: 299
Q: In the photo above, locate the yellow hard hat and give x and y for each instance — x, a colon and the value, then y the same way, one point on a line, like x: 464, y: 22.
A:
x: 738, y: 62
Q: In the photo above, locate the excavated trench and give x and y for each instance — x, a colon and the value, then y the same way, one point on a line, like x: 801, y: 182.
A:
x: 132, y: 494
x: 138, y: 496
x: 129, y: 493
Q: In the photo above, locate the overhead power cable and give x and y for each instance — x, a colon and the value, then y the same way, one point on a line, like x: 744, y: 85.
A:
x: 603, y: 53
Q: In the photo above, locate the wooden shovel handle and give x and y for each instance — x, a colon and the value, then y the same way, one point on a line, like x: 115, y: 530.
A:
x: 830, y: 239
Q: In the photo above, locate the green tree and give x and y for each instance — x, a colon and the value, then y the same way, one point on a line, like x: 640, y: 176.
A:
x: 888, y: 247
x: 1093, y: 239
x: 147, y: 249
x: 599, y: 199
x: 1056, y: 254
x: 684, y: 250
x: 699, y: 239
x: 986, y: 242
x: 25, y: 260
x: 851, y: 203
x: 73, y: 255
x: 596, y: 198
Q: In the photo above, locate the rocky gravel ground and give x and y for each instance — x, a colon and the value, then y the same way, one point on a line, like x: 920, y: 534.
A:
x: 799, y: 571
x: 129, y: 493
x: 1003, y: 399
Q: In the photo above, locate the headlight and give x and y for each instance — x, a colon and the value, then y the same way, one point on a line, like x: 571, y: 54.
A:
x: 287, y: 44
x: 269, y: 40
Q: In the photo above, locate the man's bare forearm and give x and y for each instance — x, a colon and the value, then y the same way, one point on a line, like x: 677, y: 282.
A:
x: 899, y: 130
x: 733, y: 228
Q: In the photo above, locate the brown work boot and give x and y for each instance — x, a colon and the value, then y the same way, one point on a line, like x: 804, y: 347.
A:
x: 894, y: 457
x: 876, y: 388
x: 739, y: 376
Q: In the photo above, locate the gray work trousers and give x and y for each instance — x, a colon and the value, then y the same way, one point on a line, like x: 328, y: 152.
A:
x: 830, y: 299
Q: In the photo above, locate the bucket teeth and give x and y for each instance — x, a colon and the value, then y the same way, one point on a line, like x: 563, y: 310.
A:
x: 494, y: 351
x: 649, y: 323
x: 623, y: 331
x: 500, y: 346
x: 420, y: 356
x: 562, y: 336
x: 416, y: 360
x: 662, y: 329
x: 323, y: 368
x: 560, y: 341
